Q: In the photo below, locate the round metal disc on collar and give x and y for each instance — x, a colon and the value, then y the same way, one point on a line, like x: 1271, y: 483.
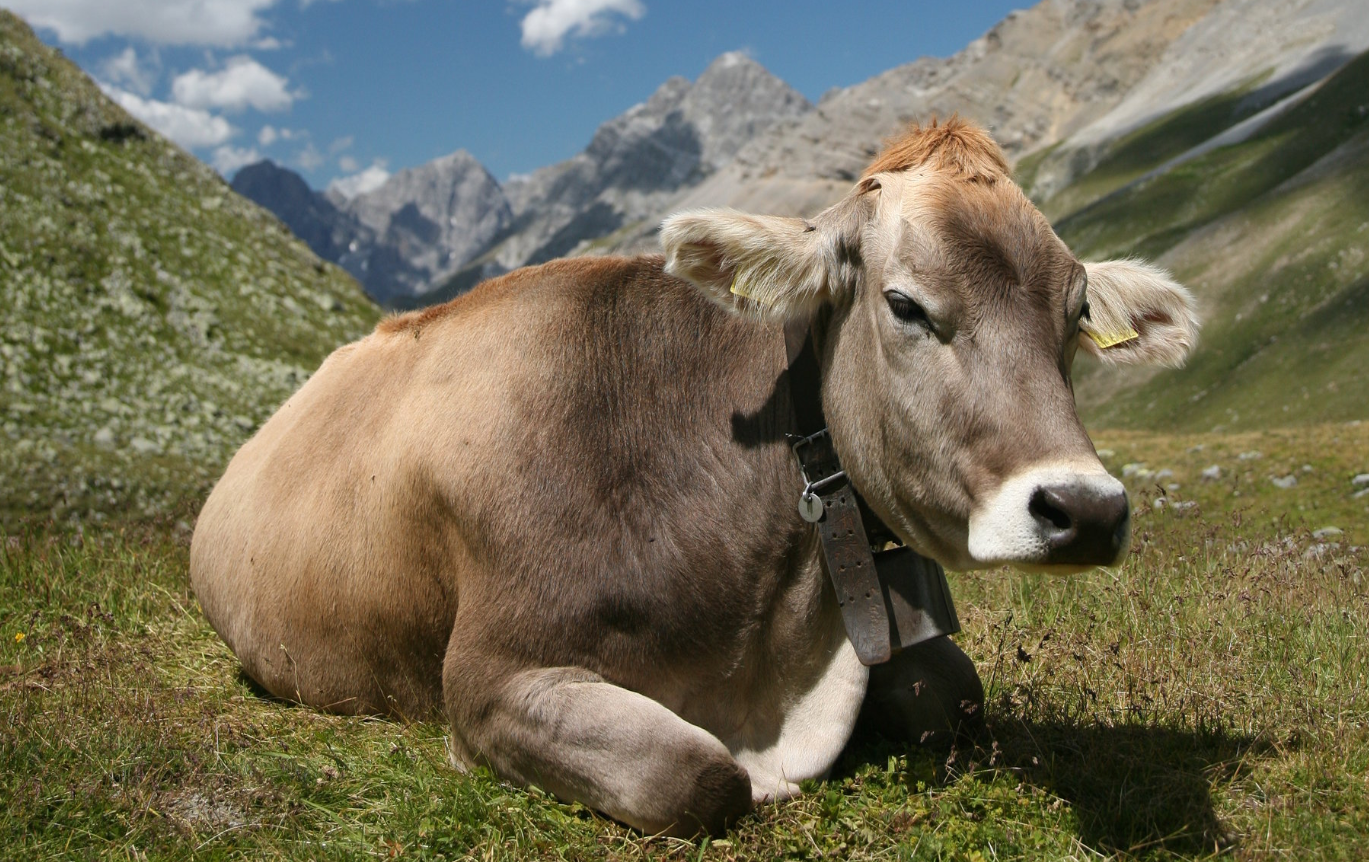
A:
x: 810, y: 507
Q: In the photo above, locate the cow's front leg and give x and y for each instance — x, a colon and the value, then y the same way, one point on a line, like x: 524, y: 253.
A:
x: 590, y: 741
x: 927, y: 693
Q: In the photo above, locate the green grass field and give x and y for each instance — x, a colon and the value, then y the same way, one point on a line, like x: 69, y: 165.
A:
x: 1208, y: 698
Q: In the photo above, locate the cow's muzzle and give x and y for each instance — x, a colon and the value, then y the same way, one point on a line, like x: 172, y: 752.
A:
x: 1056, y: 516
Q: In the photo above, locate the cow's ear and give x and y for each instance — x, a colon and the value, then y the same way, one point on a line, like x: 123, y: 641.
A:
x: 768, y: 265
x: 1137, y: 314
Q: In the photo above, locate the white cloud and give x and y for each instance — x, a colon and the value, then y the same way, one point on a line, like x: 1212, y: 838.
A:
x: 545, y: 28
x: 129, y: 71
x: 241, y: 83
x: 360, y: 183
x: 189, y: 127
x: 310, y: 158
x: 270, y: 134
x: 348, y: 164
x: 169, y: 22
x: 228, y: 159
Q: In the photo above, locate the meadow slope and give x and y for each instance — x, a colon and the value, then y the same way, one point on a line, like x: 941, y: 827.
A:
x: 1272, y: 236
x: 153, y: 318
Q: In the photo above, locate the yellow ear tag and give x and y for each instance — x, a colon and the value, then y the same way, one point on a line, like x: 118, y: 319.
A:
x: 739, y: 290
x: 1112, y: 339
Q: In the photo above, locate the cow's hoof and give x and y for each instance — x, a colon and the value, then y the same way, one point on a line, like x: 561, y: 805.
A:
x: 929, y: 694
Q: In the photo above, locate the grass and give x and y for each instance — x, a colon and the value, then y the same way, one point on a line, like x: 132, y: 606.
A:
x: 1149, y: 146
x: 1208, y: 698
x: 1281, y: 287
x: 1148, y: 218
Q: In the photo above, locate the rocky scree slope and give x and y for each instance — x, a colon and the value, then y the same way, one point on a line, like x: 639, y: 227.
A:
x: 153, y: 318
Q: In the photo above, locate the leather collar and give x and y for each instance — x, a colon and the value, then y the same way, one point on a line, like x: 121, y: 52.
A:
x: 891, y: 597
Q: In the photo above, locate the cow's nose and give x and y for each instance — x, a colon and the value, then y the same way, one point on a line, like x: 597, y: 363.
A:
x: 1082, y: 525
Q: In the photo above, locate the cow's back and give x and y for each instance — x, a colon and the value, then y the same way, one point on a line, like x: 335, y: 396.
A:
x: 544, y: 454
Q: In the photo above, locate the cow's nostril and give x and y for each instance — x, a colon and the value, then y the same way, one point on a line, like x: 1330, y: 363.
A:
x: 1081, y: 523
x: 1046, y: 508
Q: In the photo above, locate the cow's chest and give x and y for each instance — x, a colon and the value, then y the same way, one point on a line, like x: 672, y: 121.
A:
x: 799, y: 731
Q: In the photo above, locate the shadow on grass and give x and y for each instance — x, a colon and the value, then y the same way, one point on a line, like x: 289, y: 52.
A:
x: 259, y: 691
x: 1133, y: 788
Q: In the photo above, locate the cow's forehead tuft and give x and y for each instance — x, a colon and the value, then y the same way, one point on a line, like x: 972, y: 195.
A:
x: 986, y: 237
x: 956, y: 148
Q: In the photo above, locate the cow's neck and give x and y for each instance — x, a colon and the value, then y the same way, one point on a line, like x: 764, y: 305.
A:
x: 890, y: 597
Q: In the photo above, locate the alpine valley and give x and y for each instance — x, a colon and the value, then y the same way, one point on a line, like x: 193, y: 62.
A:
x: 155, y: 315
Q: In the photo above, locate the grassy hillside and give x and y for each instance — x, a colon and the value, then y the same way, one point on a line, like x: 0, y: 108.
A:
x: 152, y: 317
x: 1272, y: 235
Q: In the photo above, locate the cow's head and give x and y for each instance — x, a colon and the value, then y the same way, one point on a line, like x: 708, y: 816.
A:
x: 952, y: 315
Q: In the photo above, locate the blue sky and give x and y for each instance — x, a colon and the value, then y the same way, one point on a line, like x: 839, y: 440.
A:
x: 358, y: 88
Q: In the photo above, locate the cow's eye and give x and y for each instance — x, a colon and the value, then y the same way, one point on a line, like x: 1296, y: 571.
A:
x: 907, y: 310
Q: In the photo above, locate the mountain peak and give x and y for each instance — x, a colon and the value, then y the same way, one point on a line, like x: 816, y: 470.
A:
x: 457, y: 158
x: 267, y: 171
x: 729, y: 61
x: 732, y: 101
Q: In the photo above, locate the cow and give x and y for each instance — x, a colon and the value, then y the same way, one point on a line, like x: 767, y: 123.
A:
x: 560, y: 510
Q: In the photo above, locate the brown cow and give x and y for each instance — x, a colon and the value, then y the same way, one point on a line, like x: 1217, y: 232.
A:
x: 562, y: 508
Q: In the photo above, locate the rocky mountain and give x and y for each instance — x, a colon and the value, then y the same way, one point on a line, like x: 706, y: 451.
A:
x: 152, y: 316
x: 1056, y: 84
x: 448, y: 223
x: 427, y: 222
x: 312, y: 216
x: 636, y: 163
x: 397, y: 240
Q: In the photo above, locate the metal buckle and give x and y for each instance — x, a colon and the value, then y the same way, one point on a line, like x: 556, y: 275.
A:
x: 810, y: 502
x: 811, y: 486
x: 800, y: 442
